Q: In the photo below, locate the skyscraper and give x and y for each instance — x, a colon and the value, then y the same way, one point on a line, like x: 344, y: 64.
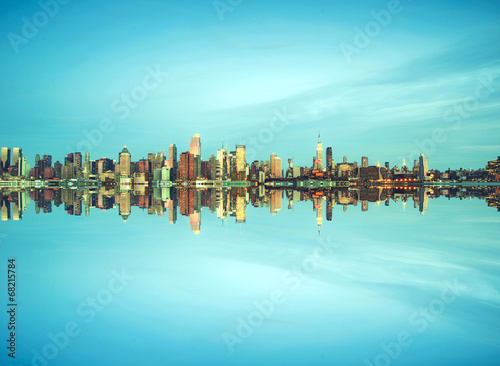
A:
x: 78, y: 160
x: 5, y: 158
x: 195, y: 146
x: 124, y: 161
x: 186, y: 166
x: 329, y: 159
x: 423, y: 169
x: 17, y: 153
x: 240, y: 158
x: 364, y: 161
x: 276, y: 169
x: 319, y: 154
x: 172, y: 160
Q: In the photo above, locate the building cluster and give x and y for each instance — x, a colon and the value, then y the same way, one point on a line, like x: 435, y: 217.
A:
x: 226, y: 164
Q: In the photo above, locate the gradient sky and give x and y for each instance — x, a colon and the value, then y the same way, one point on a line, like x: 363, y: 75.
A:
x: 228, y: 77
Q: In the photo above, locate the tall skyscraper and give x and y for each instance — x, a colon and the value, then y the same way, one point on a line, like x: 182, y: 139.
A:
x: 423, y: 169
x: 186, y: 166
x: 17, y: 153
x: 240, y: 158
x: 159, y: 160
x: 5, y: 158
x: 24, y: 167
x: 319, y: 153
x: 195, y: 146
x: 78, y: 160
x: 329, y: 158
x: 221, y: 169
x: 172, y: 160
x: 276, y: 167
x: 124, y: 161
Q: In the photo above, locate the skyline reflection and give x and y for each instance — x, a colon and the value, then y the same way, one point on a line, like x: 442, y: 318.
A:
x: 228, y: 203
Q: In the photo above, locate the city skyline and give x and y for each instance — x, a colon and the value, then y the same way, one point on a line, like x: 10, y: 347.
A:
x: 323, y: 160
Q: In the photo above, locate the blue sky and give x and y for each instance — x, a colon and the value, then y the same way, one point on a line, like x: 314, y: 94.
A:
x: 398, y: 94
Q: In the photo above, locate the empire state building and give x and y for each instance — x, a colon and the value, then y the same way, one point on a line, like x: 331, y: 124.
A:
x: 319, y: 154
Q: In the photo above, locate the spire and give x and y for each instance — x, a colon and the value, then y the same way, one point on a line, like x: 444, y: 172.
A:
x: 319, y: 137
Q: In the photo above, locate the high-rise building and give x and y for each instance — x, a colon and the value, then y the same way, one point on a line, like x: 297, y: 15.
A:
x: 172, y: 160
x: 319, y: 154
x: 186, y: 166
x: 329, y: 159
x: 78, y: 160
x: 221, y: 164
x: 5, y: 158
x: 423, y: 169
x: 240, y: 158
x: 17, y: 153
x: 364, y: 161
x: 195, y: 146
x: 197, y: 166
x: 276, y: 167
x: 124, y: 161
x: 159, y: 160
x: 24, y: 167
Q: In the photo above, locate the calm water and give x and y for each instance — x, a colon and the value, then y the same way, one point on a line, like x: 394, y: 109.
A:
x: 386, y: 286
